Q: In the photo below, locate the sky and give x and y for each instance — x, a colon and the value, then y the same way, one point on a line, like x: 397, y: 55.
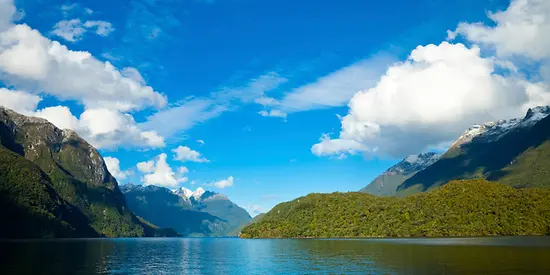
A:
x: 266, y: 101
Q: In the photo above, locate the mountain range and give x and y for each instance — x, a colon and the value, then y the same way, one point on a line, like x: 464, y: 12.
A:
x: 514, y: 152
x: 54, y: 184
x: 198, y: 213
x: 453, y: 196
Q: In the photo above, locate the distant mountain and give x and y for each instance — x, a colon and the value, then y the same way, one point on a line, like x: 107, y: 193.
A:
x: 55, y: 184
x: 386, y: 183
x: 237, y: 231
x: 198, y: 213
x: 515, y: 152
x: 217, y: 205
x: 461, y: 208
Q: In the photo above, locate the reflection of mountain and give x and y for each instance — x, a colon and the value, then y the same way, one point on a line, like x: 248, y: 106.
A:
x: 386, y: 184
x: 517, y: 255
x: 55, y: 184
x: 198, y: 213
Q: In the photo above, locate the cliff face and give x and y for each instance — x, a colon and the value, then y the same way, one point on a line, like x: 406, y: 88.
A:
x: 75, y: 170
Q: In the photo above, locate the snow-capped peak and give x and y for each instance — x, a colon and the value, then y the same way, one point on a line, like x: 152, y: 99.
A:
x: 413, y: 163
x: 198, y: 193
x: 184, y: 192
x: 493, y: 130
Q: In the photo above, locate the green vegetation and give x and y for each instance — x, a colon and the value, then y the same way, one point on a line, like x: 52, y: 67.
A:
x: 521, y: 158
x: 460, y: 208
x: 54, y: 184
x: 29, y: 206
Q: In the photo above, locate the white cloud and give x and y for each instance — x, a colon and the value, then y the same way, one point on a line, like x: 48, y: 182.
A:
x: 273, y: 113
x: 102, y: 28
x: 32, y: 62
x: 134, y: 74
x: 7, y: 12
x: 192, y: 111
x: 69, y: 7
x: 19, y: 101
x: 336, y: 88
x: 60, y: 116
x: 106, y: 128
x: 254, y: 90
x: 329, y: 147
x: 113, y: 165
x: 160, y: 173
x: 146, y: 166
x: 522, y: 29
x: 35, y: 64
x: 184, y: 153
x: 224, y: 183
x: 103, y: 128
x: 183, y: 170
x: 70, y: 30
x: 429, y: 99
x: 183, y: 116
x: 200, y: 141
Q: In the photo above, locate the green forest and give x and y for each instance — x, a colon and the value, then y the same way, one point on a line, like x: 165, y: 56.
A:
x: 460, y: 208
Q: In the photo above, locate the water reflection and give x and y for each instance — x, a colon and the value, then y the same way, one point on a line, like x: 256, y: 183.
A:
x: 521, y: 255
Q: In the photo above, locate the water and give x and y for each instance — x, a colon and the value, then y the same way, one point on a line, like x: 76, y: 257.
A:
x: 505, y: 255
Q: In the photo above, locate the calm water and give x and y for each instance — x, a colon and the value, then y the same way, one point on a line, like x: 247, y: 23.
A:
x: 516, y: 255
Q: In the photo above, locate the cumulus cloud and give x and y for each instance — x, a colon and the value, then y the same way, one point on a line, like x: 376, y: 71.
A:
x: 101, y: 127
x: 108, y: 128
x: 184, y: 153
x: 200, y: 141
x: 19, y: 101
x: 329, y: 147
x: 224, y: 183
x: 34, y: 64
x: 160, y: 173
x: 113, y: 165
x: 7, y: 12
x: 60, y: 116
x: 428, y: 99
x: 522, y: 29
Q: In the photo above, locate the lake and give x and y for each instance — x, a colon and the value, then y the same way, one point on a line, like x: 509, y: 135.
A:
x: 500, y: 255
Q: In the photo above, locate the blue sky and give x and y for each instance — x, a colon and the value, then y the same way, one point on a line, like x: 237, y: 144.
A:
x: 258, y: 83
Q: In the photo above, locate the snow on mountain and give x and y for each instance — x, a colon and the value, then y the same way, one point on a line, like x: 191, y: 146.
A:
x: 199, y: 194
x: 413, y: 164
x: 183, y: 192
x: 494, y: 130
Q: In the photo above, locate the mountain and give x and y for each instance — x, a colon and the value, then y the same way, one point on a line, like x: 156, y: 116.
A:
x: 257, y: 219
x: 220, y: 206
x: 460, y: 208
x: 198, y: 213
x: 386, y: 183
x: 515, y: 152
x: 55, y: 184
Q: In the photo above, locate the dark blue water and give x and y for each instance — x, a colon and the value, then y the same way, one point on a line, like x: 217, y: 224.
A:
x: 515, y: 255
